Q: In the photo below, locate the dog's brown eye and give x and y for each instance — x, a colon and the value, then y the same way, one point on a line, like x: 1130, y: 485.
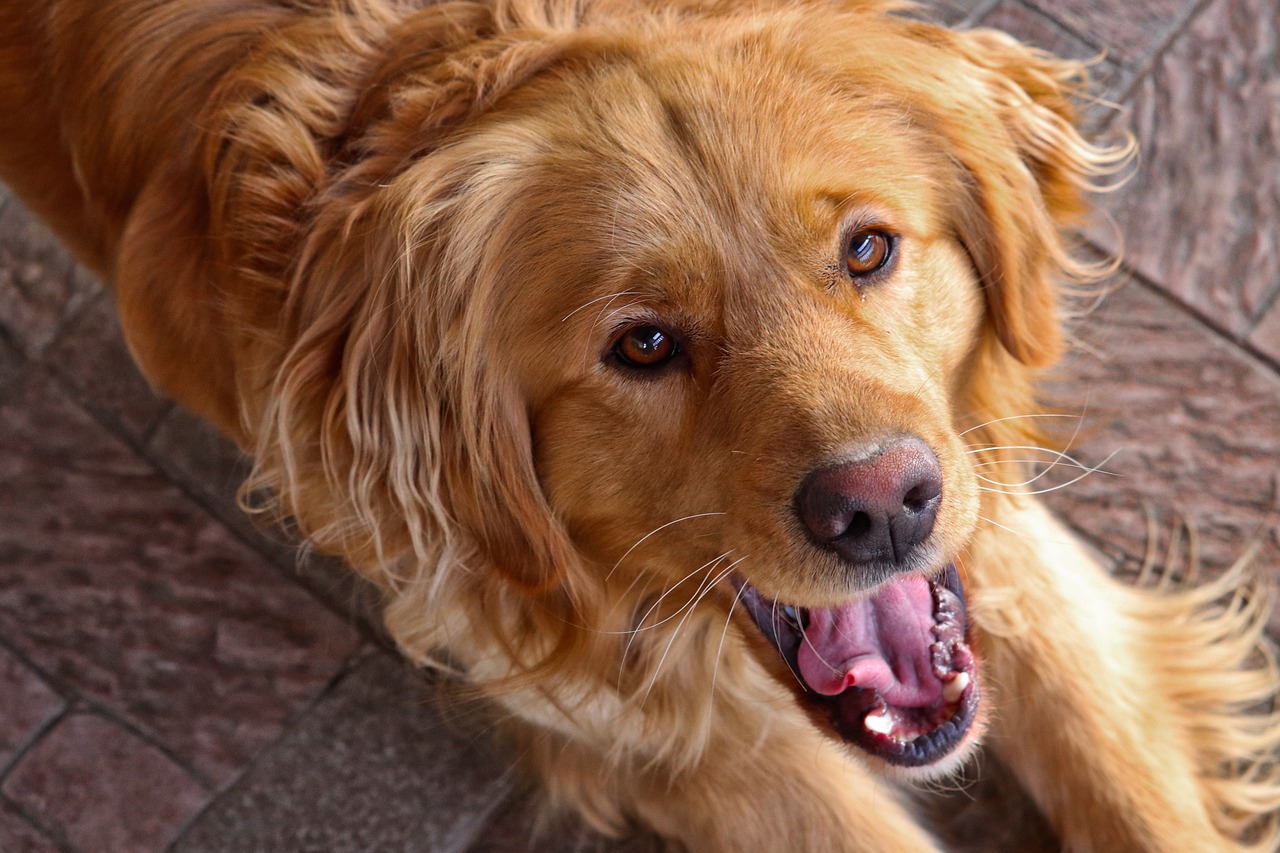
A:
x: 645, y: 346
x: 868, y: 251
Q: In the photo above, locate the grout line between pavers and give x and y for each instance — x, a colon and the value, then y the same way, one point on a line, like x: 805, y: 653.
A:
x: 137, y: 445
x: 1256, y: 358
x: 468, y: 833
x: 82, y: 704
x: 94, y: 706
x: 1059, y: 24
x: 174, y: 476
x: 1269, y: 304
x: 67, y: 319
x: 1144, y: 69
x: 978, y: 13
x: 76, y: 702
x: 287, y: 727
x: 68, y: 707
x: 30, y: 820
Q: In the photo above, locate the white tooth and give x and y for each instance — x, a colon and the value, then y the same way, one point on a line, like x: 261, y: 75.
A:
x: 878, y: 721
x: 954, y: 689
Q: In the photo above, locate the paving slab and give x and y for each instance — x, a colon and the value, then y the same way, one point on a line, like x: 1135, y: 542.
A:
x: 194, y: 454
x: 11, y: 364
x: 1033, y: 27
x: 122, y: 589
x: 1129, y: 31
x: 18, y: 835
x: 1266, y: 336
x: 1193, y: 423
x: 27, y: 704
x: 378, y: 764
x: 92, y: 358
x: 200, y: 455
x: 954, y: 12
x: 519, y: 828
x: 1201, y: 217
x: 39, y: 283
x: 98, y: 786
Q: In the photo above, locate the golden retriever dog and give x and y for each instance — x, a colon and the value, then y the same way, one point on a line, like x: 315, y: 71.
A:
x: 656, y: 358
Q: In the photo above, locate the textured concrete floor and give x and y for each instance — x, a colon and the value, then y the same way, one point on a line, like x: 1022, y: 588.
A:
x: 169, y: 680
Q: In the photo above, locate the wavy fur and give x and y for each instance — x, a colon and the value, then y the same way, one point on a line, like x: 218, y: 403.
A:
x: 367, y: 239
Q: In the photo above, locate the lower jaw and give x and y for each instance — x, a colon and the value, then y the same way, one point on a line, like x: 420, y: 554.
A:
x: 917, y: 742
x: 924, y: 750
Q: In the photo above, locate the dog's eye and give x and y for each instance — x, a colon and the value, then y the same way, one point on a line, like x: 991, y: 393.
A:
x: 869, y: 250
x: 645, y: 347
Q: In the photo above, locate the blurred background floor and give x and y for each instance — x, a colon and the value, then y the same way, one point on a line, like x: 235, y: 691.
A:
x: 171, y: 679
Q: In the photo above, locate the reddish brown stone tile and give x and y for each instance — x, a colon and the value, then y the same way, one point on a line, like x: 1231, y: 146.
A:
x: 121, y: 588
x: 200, y: 455
x: 955, y: 12
x: 19, y: 836
x: 1193, y: 422
x: 39, y: 283
x: 516, y: 829
x: 10, y: 365
x: 1033, y: 28
x: 375, y: 765
x: 90, y: 353
x: 1129, y: 30
x: 1202, y: 217
x: 207, y: 463
x: 1266, y: 336
x: 26, y: 705
x: 99, y: 787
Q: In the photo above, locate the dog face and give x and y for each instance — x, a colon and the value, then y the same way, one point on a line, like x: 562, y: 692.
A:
x: 741, y: 332
x: 713, y: 307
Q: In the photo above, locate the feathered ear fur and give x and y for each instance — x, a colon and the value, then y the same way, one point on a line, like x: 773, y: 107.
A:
x: 389, y: 433
x: 1010, y: 126
x: 423, y: 440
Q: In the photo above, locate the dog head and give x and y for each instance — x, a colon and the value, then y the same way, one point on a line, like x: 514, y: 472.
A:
x: 606, y: 307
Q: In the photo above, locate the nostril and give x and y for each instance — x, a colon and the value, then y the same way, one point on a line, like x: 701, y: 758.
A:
x: 875, y: 510
x: 922, y: 497
x: 859, y: 525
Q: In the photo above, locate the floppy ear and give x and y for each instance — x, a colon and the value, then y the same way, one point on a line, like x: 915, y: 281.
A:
x: 494, y: 495
x: 391, y: 432
x: 395, y: 433
x: 1024, y: 166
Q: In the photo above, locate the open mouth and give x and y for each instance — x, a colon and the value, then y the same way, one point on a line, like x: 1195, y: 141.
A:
x: 891, y: 673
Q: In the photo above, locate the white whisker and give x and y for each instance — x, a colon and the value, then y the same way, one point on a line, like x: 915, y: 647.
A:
x: 715, y: 670
x: 1023, y: 534
x: 1030, y: 448
x: 773, y: 619
x: 688, y: 612
x: 1010, y: 489
x: 652, y: 532
x: 1019, y: 418
x: 709, y: 567
x: 805, y: 636
x: 607, y: 297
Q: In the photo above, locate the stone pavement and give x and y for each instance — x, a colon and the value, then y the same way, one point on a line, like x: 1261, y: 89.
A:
x: 171, y: 679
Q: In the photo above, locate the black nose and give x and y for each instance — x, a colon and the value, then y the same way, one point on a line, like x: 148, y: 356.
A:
x: 874, y: 510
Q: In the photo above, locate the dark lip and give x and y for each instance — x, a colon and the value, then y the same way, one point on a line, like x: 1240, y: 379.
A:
x: 844, y: 713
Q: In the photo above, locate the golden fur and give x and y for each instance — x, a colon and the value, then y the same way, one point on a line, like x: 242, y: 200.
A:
x: 385, y: 247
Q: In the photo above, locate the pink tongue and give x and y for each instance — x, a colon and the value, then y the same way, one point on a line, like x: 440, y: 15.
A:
x: 880, y: 643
